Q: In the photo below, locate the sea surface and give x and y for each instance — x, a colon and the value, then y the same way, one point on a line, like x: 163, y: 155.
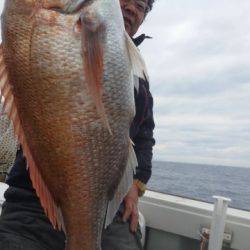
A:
x: 201, y: 182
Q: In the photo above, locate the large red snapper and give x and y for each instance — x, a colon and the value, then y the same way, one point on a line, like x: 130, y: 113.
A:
x: 67, y: 77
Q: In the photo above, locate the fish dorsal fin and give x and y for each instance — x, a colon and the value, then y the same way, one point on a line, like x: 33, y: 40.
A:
x: 138, y: 65
x: 10, y: 109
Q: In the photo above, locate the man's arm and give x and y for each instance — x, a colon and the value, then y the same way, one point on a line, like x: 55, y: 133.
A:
x: 142, y: 135
x: 144, y: 143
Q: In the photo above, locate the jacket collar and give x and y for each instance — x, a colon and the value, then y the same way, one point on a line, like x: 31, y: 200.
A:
x: 138, y: 40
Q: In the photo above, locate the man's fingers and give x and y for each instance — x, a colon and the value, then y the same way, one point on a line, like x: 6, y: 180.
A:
x: 127, y: 212
x: 131, y: 209
x: 134, y: 220
x: 131, y: 212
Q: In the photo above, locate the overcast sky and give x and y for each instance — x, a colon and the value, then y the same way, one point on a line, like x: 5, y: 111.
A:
x: 199, y: 65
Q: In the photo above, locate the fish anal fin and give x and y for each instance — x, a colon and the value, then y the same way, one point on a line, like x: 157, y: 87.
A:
x: 93, y: 56
x: 11, y: 111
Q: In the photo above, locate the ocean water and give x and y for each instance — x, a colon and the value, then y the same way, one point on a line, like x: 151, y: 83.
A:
x: 201, y: 182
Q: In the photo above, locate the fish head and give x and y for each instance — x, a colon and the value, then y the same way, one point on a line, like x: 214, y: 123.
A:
x: 72, y: 6
x: 93, y: 12
x: 65, y: 6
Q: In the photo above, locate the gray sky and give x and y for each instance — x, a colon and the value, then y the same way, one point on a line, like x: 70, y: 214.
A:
x: 199, y: 65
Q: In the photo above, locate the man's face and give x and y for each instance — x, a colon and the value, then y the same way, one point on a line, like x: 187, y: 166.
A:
x: 133, y: 14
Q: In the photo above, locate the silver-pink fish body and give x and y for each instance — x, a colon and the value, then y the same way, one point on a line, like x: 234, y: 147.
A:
x: 76, y: 163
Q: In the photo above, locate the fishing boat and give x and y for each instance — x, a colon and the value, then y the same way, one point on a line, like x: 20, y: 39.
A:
x: 174, y: 223
x: 196, y: 45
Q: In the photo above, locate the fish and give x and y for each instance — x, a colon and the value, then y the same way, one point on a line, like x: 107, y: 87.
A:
x: 68, y: 73
x: 8, y: 145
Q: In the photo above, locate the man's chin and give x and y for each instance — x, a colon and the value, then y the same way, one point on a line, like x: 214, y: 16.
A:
x: 128, y: 29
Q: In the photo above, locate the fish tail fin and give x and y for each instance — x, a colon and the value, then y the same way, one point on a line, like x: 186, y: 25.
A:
x: 93, y: 56
x: 138, y: 65
x: 10, y: 109
x: 123, y: 187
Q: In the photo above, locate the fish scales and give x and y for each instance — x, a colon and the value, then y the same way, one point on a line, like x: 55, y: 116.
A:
x: 75, y: 163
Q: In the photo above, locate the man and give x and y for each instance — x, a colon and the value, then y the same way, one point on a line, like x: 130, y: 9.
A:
x: 23, y: 224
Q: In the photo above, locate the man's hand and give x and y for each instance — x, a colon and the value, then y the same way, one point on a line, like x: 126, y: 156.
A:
x: 131, y: 208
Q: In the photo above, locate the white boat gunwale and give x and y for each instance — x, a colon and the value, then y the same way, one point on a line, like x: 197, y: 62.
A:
x: 187, y: 217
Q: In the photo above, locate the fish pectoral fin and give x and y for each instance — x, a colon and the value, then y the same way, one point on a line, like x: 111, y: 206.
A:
x: 93, y: 55
x: 123, y: 187
x: 6, y: 96
x: 10, y: 109
x: 138, y: 65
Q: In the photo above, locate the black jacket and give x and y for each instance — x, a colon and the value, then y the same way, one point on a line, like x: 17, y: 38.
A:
x: 141, y: 132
